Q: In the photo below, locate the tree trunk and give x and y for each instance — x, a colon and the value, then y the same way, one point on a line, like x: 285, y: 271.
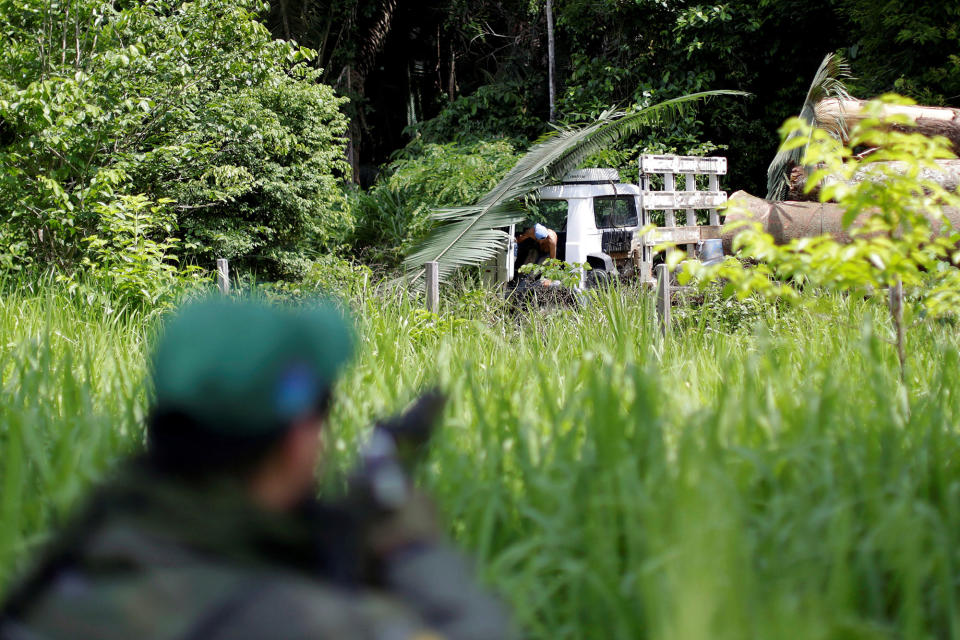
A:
x: 452, y: 79
x: 357, y: 74
x: 375, y: 38
x: 353, y: 137
x: 930, y: 121
x: 551, y: 61
x: 284, y: 18
x: 947, y: 177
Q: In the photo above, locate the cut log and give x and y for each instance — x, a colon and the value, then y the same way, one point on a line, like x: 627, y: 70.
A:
x: 787, y: 220
x: 930, y: 121
x: 948, y: 177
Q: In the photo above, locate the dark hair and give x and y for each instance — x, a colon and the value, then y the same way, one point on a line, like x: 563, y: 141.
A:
x: 179, y: 444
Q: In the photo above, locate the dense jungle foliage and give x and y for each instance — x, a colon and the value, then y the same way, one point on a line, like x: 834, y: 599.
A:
x: 135, y: 133
x: 462, y: 70
x: 762, y: 470
x: 138, y: 139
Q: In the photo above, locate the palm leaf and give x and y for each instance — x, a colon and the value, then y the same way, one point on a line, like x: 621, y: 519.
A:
x: 470, y: 235
x: 827, y: 83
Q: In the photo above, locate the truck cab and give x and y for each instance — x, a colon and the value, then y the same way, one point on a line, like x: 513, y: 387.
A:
x: 602, y: 217
x: 597, y: 219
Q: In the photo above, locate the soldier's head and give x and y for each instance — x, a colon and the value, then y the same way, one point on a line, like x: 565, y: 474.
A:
x: 242, y: 389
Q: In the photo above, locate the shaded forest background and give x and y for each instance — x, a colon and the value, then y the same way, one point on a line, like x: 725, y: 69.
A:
x: 458, y: 70
x: 140, y: 141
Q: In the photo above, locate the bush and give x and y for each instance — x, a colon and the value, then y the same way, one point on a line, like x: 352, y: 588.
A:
x: 194, y: 102
x: 130, y: 258
x: 395, y: 214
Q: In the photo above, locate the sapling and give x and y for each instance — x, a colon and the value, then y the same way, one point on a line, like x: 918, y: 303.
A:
x: 900, y: 239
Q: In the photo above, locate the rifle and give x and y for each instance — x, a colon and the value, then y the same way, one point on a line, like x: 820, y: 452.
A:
x: 379, y: 492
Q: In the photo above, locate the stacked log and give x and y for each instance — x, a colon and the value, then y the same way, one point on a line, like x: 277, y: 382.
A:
x: 947, y: 176
x: 930, y: 121
x: 787, y: 220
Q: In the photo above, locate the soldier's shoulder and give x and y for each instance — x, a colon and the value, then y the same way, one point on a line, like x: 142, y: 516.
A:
x: 290, y: 606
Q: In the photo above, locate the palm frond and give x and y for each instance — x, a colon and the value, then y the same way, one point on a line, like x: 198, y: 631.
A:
x: 828, y: 82
x: 470, y: 235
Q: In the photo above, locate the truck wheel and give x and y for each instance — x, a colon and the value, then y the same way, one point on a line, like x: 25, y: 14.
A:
x: 598, y: 278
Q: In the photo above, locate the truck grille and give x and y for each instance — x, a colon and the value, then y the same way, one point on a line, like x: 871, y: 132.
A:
x: 617, y: 241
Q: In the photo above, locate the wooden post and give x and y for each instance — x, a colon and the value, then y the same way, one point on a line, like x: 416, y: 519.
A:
x: 714, y: 186
x: 691, y: 185
x: 663, y: 298
x: 433, y: 286
x: 669, y: 218
x: 223, y: 276
x: 896, y: 313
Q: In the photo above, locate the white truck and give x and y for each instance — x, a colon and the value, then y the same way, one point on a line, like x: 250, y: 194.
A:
x: 597, y: 219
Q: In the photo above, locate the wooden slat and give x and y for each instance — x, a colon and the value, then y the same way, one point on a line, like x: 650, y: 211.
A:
x: 691, y: 185
x: 681, y: 235
x: 669, y: 199
x: 668, y: 187
x: 714, y: 185
x: 676, y: 235
x: 223, y: 275
x: 711, y: 232
x: 433, y: 286
x: 663, y: 299
x: 682, y: 164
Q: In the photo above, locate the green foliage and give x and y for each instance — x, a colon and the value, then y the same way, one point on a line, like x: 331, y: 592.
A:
x: 462, y: 70
x: 719, y: 485
x: 603, y: 60
x: 566, y: 273
x: 908, y: 48
x: 331, y: 275
x: 894, y: 217
x: 194, y: 102
x: 131, y: 255
x: 500, y: 109
x: 394, y: 214
x: 73, y: 402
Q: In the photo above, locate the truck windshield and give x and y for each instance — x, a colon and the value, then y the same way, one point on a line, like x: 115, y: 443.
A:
x: 614, y: 212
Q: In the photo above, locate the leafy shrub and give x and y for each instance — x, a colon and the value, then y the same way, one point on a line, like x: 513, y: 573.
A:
x: 900, y: 237
x: 189, y: 101
x: 131, y: 254
x: 327, y: 275
x: 395, y: 214
x: 551, y: 269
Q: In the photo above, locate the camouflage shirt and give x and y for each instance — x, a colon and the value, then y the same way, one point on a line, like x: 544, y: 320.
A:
x: 151, y: 559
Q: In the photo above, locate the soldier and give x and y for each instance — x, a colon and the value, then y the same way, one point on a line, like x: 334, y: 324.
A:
x: 213, y: 533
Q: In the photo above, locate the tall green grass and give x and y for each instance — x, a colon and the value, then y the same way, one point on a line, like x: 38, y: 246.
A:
x: 759, y: 474
x: 72, y: 403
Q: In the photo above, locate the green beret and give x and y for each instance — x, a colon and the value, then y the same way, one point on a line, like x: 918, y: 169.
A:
x: 246, y: 368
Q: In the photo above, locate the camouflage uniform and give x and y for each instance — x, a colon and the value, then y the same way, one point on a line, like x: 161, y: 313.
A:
x: 151, y: 559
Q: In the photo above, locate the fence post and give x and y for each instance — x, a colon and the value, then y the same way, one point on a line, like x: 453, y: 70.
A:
x: 223, y: 276
x: 669, y: 216
x: 663, y: 298
x: 714, y: 186
x: 691, y: 185
x: 433, y: 287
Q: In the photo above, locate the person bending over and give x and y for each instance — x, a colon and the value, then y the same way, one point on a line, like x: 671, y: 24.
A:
x: 545, y: 238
